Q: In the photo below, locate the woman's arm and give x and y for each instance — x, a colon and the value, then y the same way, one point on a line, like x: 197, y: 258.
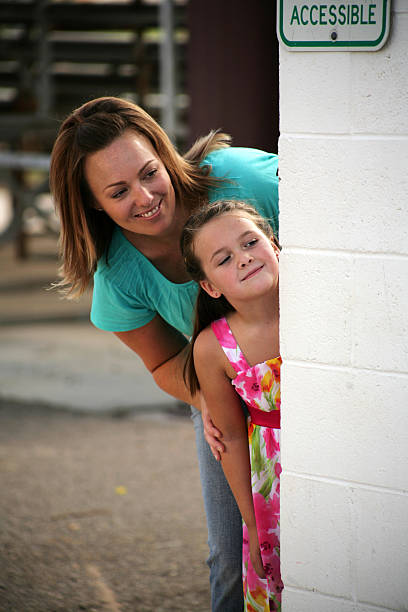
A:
x: 162, y: 350
x: 227, y: 415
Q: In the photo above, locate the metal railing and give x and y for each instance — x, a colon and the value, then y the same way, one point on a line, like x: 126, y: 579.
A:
x: 23, y: 196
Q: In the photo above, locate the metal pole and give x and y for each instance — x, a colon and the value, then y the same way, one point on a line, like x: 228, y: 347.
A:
x: 44, y: 91
x: 167, y: 71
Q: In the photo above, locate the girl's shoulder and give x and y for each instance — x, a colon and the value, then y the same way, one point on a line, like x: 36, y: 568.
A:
x: 206, y: 345
x: 209, y: 357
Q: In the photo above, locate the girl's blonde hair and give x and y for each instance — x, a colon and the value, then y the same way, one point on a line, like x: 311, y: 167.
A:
x: 85, y: 232
x: 208, y: 309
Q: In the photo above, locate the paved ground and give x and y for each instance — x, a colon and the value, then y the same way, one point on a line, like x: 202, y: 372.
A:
x: 101, y: 505
x: 99, y: 513
x: 49, y: 351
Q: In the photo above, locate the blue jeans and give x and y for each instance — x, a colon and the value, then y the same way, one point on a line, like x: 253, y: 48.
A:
x: 224, y: 526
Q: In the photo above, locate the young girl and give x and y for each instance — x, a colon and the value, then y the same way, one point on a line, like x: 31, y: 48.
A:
x: 229, y: 249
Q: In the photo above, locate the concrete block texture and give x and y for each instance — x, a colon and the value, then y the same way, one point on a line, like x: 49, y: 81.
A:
x: 344, y: 93
x: 306, y: 601
x: 382, y: 548
x: 316, y: 536
x: 399, y: 6
x: 317, y: 100
x: 316, y: 306
x: 345, y: 424
x: 380, y: 85
x: 343, y: 545
x: 344, y: 326
x: 380, y: 313
x: 293, y: 601
x: 354, y: 201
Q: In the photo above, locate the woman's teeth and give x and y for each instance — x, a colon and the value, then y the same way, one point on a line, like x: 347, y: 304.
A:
x: 149, y: 213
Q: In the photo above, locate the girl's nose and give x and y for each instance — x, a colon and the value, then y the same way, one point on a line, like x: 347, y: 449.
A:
x: 245, y: 259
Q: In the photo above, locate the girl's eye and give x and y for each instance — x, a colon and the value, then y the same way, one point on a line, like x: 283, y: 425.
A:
x: 252, y: 242
x: 223, y: 261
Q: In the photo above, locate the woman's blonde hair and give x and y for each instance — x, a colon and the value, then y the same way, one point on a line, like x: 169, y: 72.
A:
x: 207, y: 308
x: 86, y: 233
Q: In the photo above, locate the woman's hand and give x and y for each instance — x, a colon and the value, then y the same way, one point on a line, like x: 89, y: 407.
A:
x: 255, y: 553
x: 211, y: 433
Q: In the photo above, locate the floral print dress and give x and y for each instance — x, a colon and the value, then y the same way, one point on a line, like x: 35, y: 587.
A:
x: 259, y: 387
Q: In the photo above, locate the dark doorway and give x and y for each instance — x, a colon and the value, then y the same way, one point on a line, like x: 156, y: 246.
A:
x: 233, y: 71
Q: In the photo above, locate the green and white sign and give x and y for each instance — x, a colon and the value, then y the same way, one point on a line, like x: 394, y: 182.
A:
x: 335, y: 25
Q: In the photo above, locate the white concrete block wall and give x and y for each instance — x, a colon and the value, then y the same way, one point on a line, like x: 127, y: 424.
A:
x: 344, y: 326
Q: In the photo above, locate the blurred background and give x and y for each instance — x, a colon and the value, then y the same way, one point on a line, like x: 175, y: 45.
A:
x: 101, y: 506
x: 193, y: 65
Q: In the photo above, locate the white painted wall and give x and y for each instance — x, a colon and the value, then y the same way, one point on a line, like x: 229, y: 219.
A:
x: 344, y: 326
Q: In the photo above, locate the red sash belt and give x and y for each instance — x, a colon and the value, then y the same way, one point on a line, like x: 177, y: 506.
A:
x: 266, y: 419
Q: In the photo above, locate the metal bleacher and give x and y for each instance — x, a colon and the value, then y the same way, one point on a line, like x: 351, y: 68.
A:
x: 56, y: 55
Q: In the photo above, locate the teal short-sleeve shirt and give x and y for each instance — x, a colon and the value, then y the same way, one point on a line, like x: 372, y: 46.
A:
x: 129, y: 291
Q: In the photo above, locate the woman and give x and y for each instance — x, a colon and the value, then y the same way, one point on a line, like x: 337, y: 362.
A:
x: 123, y: 194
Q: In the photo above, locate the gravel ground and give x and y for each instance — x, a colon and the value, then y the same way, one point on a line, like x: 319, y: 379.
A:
x: 100, y: 513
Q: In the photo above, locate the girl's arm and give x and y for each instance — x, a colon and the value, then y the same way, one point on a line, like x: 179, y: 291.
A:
x: 227, y: 415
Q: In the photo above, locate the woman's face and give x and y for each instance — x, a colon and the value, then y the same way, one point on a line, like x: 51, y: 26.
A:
x: 131, y: 184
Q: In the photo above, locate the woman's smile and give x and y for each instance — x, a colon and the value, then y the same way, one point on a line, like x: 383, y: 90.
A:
x: 150, y: 213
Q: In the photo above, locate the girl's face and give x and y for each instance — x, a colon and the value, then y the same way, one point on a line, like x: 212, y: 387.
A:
x: 130, y: 183
x: 238, y: 259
